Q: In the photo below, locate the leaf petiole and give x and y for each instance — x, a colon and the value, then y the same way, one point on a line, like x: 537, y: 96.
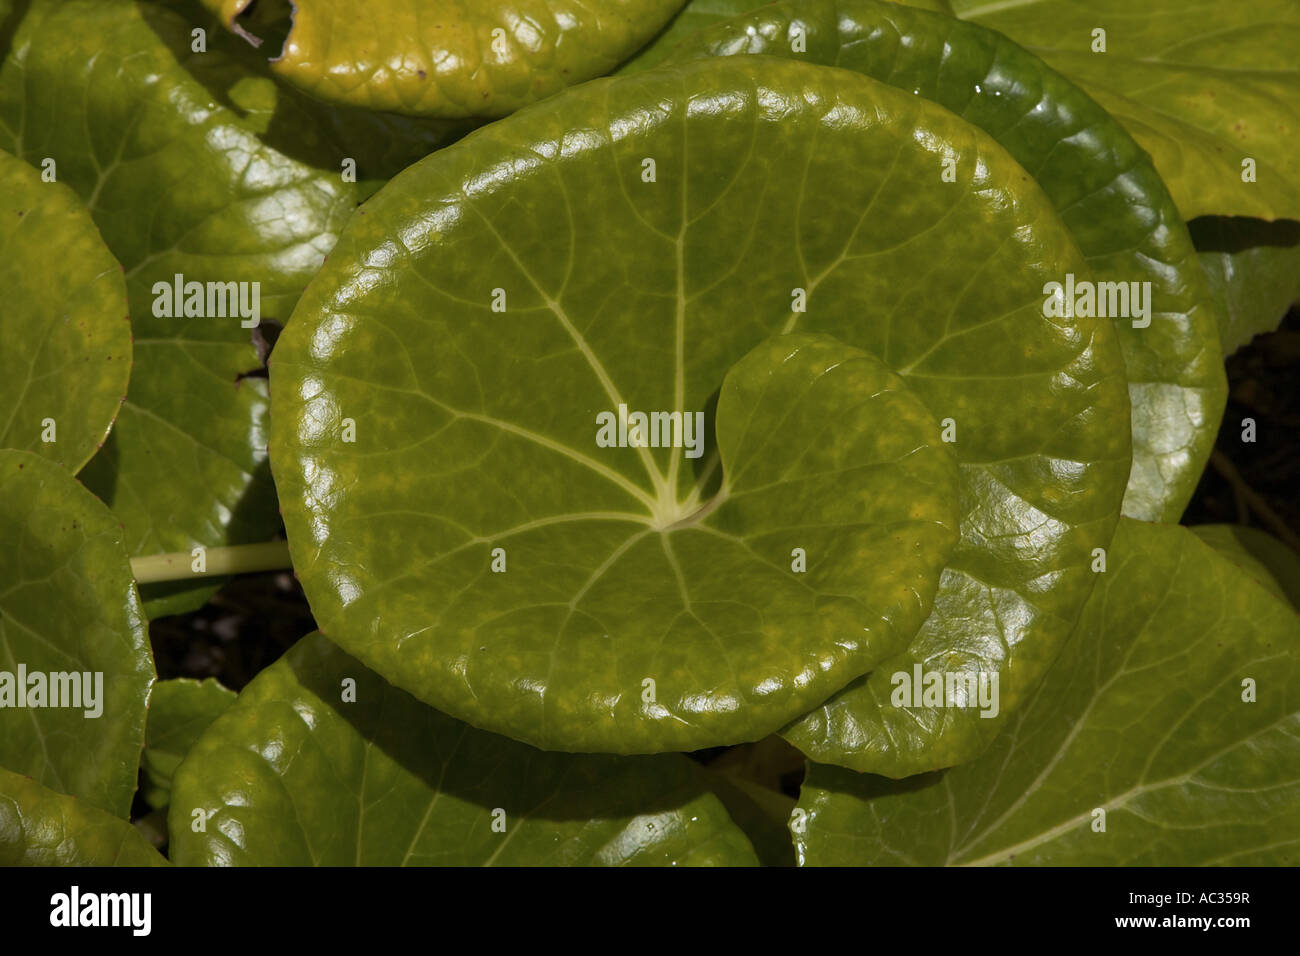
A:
x: 210, y: 562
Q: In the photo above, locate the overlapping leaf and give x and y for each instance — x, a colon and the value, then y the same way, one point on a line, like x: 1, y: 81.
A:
x: 41, y: 827
x: 1123, y: 219
x: 179, y: 711
x: 1261, y: 555
x: 826, y: 459
x: 1253, y: 268
x: 320, y: 762
x: 693, y: 17
x: 456, y: 58
x: 1096, y: 176
x: 65, y: 342
x: 73, y: 717
x: 1202, y: 86
x: 1175, y: 709
x: 168, y: 148
x: 642, y: 283
x: 322, y: 135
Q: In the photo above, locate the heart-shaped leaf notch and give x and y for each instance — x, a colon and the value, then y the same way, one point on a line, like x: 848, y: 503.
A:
x: 683, y: 622
x: 554, y: 563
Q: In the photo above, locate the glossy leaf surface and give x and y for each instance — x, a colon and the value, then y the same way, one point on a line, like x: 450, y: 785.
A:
x: 1253, y: 268
x: 696, y: 15
x: 476, y: 429
x: 296, y: 774
x: 65, y: 341
x: 68, y: 612
x: 454, y: 58
x: 148, y: 133
x: 1100, y: 181
x: 322, y: 135
x: 1104, y: 187
x: 40, y: 827
x: 821, y: 450
x: 179, y: 711
x: 1144, y: 716
x: 1202, y: 86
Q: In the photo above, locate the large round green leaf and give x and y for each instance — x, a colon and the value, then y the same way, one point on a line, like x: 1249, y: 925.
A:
x: 65, y: 340
x: 643, y: 234
x: 821, y: 449
x: 1100, y: 181
x: 1175, y: 709
x: 40, y: 827
x: 453, y: 58
x: 72, y: 632
x: 321, y: 762
x: 1202, y: 86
